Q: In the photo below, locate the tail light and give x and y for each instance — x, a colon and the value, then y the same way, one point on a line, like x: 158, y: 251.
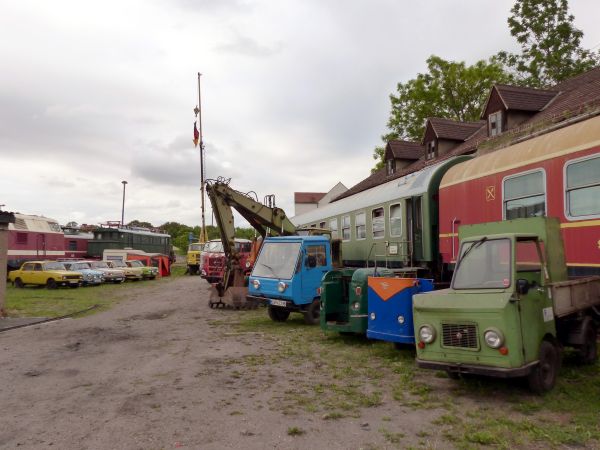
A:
x: 358, y: 291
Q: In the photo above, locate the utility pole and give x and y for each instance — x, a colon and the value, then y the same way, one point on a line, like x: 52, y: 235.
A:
x: 123, y: 205
x: 198, y: 112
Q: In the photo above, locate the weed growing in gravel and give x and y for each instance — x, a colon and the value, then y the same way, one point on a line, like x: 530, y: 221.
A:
x: 295, y: 431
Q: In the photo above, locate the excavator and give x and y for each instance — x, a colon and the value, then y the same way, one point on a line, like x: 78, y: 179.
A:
x: 267, y: 219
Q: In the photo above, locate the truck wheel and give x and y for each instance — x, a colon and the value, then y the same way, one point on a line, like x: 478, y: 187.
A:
x: 18, y: 283
x: 51, y: 283
x: 313, y: 313
x: 278, y: 314
x: 588, y: 352
x: 543, y: 376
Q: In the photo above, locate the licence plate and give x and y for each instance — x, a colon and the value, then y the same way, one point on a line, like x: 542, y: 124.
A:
x: 279, y: 303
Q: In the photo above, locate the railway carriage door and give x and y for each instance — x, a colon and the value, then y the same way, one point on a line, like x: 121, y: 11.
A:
x: 414, y: 217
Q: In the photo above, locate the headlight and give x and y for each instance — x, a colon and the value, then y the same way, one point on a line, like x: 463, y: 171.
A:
x: 247, y: 264
x: 280, y: 287
x: 256, y: 284
x: 372, y: 316
x: 427, y: 334
x: 64, y: 277
x: 356, y: 306
x: 493, y: 338
x: 400, y: 320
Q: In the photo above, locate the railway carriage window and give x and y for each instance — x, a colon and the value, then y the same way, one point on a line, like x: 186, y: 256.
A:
x: 360, y: 225
x: 396, y: 220
x: 525, y: 196
x: 378, y: 223
x: 322, y: 224
x: 22, y: 238
x: 72, y: 245
x: 346, y: 228
x: 333, y: 226
x: 583, y: 188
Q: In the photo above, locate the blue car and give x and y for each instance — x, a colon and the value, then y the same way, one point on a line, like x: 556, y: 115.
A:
x: 90, y: 277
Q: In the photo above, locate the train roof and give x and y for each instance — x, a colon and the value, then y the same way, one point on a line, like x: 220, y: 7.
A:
x: 132, y: 231
x: 576, y: 137
x: 40, y: 224
x: 412, y: 184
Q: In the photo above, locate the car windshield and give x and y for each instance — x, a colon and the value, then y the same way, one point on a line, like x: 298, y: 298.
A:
x: 99, y: 265
x: 118, y: 264
x: 277, y: 260
x: 214, y: 246
x: 78, y: 266
x: 54, y: 266
x: 483, y: 264
x: 135, y: 263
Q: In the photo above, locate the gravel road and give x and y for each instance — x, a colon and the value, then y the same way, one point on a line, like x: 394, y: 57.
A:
x: 158, y: 371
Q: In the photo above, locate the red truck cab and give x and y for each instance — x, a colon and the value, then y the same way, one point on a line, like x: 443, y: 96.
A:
x: 212, y: 259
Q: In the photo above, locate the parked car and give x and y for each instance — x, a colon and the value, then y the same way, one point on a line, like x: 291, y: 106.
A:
x: 49, y: 273
x: 110, y: 275
x: 148, y: 273
x: 90, y: 277
x: 131, y: 273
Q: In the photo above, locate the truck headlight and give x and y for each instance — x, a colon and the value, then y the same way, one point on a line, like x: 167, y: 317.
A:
x: 400, y: 320
x: 427, y: 334
x: 355, y: 306
x: 256, y: 284
x: 493, y: 338
x: 281, y: 286
x: 248, y: 264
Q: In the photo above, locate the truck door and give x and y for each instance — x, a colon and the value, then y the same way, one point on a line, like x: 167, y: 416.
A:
x: 533, y: 316
x: 314, y: 266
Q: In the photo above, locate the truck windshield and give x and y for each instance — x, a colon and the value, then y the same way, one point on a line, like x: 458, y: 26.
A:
x: 277, y: 260
x: 214, y: 246
x: 195, y: 247
x: 483, y: 264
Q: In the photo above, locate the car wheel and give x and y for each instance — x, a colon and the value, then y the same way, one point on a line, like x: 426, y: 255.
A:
x: 278, y: 314
x: 51, y: 283
x: 543, y: 376
x: 313, y: 313
x: 18, y: 283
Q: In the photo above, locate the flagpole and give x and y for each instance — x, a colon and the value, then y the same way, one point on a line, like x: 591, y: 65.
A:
x: 203, y: 236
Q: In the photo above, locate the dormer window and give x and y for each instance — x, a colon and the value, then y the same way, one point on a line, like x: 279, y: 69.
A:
x: 431, y: 149
x: 391, y: 166
x: 495, y: 123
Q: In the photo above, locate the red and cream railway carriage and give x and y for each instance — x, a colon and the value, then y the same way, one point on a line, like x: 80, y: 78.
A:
x: 555, y: 174
x: 34, y: 238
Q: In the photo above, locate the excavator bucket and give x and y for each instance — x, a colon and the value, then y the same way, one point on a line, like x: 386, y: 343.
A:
x: 231, y: 297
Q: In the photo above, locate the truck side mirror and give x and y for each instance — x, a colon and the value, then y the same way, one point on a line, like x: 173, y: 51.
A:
x: 311, y: 261
x: 522, y: 286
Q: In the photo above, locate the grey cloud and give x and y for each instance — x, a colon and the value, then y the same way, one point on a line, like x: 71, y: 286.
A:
x: 243, y: 45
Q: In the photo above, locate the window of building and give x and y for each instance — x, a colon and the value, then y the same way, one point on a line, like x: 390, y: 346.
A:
x: 495, y: 123
x: 72, y: 245
x: 391, y: 166
x: 333, y: 226
x: 22, y: 238
x: 582, y: 187
x: 346, y: 228
x: 431, y: 149
x: 396, y: 220
x: 525, y: 196
x: 378, y: 223
x: 360, y: 225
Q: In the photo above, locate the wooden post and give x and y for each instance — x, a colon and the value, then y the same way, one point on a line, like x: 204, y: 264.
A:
x: 5, y: 219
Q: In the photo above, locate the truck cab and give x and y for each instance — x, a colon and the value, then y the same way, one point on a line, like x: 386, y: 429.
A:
x: 193, y: 257
x: 287, y: 275
x: 503, y: 314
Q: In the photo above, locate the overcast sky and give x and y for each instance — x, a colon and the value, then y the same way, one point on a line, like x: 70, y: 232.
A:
x: 295, y: 94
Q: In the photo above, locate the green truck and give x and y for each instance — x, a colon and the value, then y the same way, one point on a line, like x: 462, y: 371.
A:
x: 510, y: 308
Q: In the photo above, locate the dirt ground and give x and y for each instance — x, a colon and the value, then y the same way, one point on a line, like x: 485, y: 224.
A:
x: 161, y: 370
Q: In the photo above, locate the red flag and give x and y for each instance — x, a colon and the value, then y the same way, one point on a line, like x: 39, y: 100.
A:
x: 196, y: 135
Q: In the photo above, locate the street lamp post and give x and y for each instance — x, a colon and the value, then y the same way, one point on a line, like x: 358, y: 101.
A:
x: 123, y: 207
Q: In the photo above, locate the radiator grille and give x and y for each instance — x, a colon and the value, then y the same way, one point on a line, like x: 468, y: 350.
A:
x: 459, y: 335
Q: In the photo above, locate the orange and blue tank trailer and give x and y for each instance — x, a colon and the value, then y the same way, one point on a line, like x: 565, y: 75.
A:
x: 390, y: 314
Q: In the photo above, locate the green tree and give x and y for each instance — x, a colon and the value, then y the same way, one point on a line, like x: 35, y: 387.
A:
x: 550, y: 44
x: 448, y: 89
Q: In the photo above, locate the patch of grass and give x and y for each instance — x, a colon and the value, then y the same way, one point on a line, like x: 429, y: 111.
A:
x: 295, y: 431
x: 394, y: 438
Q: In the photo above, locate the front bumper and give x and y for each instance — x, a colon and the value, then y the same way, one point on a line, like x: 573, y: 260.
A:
x: 498, y: 372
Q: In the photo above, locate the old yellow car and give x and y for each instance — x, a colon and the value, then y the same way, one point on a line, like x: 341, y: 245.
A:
x: 44, y: 273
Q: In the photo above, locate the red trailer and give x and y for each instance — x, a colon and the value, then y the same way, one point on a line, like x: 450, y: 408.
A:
x: 556, y: 174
